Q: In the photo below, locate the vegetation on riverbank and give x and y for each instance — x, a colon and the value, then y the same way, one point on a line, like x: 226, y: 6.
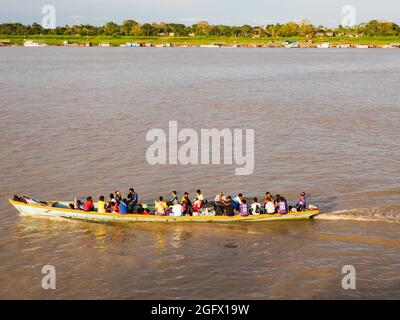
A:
x: 57, y: 40
x: 372, y: 33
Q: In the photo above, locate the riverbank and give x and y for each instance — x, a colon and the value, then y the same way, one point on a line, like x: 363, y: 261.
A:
x: 197, y: 41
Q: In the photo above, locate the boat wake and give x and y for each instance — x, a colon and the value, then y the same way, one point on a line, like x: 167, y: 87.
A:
x: 385, y: 214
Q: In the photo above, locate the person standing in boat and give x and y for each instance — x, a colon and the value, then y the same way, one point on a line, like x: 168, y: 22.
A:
x: 101, y: 205
x: 133, y: 196
x: 133, y: 199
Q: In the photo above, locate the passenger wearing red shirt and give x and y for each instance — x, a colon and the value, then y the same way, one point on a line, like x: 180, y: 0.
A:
x: 115, y: 208
x: 88, y: 206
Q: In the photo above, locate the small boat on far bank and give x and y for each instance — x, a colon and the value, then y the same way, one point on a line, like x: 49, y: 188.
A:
x: 210, y: 46
x: 323, y: 45
x: 362, y: 46
x: 31, y: 43
x: 60, y: 209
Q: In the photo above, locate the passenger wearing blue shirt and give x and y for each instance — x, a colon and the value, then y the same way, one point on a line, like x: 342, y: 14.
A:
x: 174, y: 197
x: 234, y: 204
x: 133, y: 196
x: 123, y: 207
x: 133, y: 199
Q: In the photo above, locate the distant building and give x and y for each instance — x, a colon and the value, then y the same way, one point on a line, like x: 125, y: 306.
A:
x: 256, y: 33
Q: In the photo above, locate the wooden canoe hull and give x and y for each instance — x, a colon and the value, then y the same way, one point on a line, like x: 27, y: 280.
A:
x: 48, y: 211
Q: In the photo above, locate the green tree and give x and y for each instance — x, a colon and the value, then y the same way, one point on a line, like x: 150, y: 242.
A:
x: 203, y: 28
x: 246, y: 31
x: 289, y: 30
x: 111, y: 29
x: 380, y: 28
x: 127, y: 27
x: 147, y: 29
x: 306, y: 28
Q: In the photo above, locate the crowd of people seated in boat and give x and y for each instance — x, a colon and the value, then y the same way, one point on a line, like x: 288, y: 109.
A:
x: 222, y: 205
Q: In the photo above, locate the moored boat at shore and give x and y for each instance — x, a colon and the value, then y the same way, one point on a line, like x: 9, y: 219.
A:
x: 31, y: 43
x: 60, y: 209
x: 323, y: 45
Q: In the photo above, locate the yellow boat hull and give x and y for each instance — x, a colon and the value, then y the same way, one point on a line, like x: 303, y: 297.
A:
x: 49, y: 211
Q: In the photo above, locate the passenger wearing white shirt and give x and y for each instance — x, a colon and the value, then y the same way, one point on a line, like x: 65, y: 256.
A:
x: 239, y: 198
x: 199, y: 196
x: 220, y: 197
x: 177, y: 209
x: 255, y: 207
x: 269, y: 207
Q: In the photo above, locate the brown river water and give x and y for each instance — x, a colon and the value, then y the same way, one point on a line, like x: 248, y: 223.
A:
x: 74, y: 123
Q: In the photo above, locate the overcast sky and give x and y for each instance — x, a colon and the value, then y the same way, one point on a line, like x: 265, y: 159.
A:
x: 232, y: 12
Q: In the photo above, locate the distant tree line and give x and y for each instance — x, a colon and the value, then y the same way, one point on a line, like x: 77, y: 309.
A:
x: 203, y: 28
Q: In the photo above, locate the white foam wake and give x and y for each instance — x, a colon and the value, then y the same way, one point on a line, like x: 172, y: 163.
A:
x: 388, y: 214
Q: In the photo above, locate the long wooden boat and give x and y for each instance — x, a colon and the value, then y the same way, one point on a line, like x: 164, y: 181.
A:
x: 60, y: 209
